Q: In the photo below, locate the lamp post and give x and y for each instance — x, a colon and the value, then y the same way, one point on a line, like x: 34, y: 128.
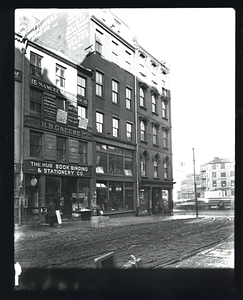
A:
x: 195, y: 184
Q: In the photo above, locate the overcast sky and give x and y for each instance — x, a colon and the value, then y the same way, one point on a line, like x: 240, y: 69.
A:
x: 199, y: 45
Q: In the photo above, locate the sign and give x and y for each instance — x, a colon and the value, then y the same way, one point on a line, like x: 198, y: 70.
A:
x: 17, y: 75
x: 50, y: 106
x: 47, y: 168
x: 59, y: 219
x: 56, y: 128
x: 50, y: 146
x: 62, y: 116
x: 33, y: 181
x: 83, y: 123
x: 72, y: 115
x: 73, y: 150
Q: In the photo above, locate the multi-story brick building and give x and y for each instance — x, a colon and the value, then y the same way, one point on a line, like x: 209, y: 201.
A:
x: 125, y: 113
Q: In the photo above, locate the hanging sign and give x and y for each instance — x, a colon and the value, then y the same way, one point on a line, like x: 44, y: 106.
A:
x: 33, y: 181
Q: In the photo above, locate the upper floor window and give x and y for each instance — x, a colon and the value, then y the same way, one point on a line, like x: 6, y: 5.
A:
x: 214, y: 183
x: 114, y: 91
x: 129, y: 131
x: 223, y: 183
x: 61, y: 104
x: 98, y: 41
x: 99, y: 122
x: 232, y: 173
x: 164, y: 109
x: 232, y: 182
x: 35, y: 102
x: 82, y: 152
x: 144, y: 159
x: 142, y: 97
x: 155, y: 135
x: 154, y: 109
x: 128, y: 98
x: 143, y: 130
x: 61, y: 148
x: 35, y: 144
x: 165, y: 139
x: 213, y: 174
x: 166, y: 167
x: 128, y: 60
x: 60, y: 76
x: 114, y: 52
x: 223, y: 174
x: 35, y: 64
x: 223, y: 166
x: 99, y: 84
x: 213, y: 166
x: 155, y: 168
x: 82, y: 111
x: 115, y: 127
x: 142, y: 59
x: 82, y: 86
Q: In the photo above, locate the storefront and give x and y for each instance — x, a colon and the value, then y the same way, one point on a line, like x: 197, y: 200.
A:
x: 68, y: 186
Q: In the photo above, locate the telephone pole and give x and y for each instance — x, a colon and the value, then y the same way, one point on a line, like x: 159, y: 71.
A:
x: 195, y: 185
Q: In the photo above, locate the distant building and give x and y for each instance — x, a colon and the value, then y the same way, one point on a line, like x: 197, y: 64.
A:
x: 188, y: 187
x: 218, y: 175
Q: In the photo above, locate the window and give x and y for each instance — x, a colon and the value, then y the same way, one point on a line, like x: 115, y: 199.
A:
x: 35, y: 102
x: 141, y: 59
x: 129, y: 131
x: 214, y: 183
x: 153, y: 104
x: 60, y: 76
x: 128, y: 98
x: 101, y: 163
x: 82, y: 86
x: 115, y: 164
x: 155, y: 135
x: 143, y: 166
x: 35, y: 64
x: 128, y: 166
x: 98, y: 41
x: 232, y: 173
x: 114, y: 91
x: 115, y: 127
x: 82, y: 111
x: 213, y: 174
x: 223, y: 183
x: 142, y: 128
x: 82, y: 152
x: 141, y: 97
x: 213, y: 166
x: 115, y: 52
x: 128, y: 60
x: 155, y: 169
x: 164, y: 109
x: 99, y: 122
x: 61, y: 104
x: 35, y: 144
x: 166, y: 169
x: 223, y: 166
x: 61, y: 148
x: 99, y: 84
x: 223, y: 174
x: 165, y: 139
x: 232, y: 182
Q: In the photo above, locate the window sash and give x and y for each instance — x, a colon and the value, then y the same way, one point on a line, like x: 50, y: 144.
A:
x: 35, y: 144
x: 141, y: 97
x: 154, y: 135
x: 61, y: 148
x: 82, y: 86
x: 82, y: 111
x: 129, y: 131
x: 155, y: 169
x: 82, y: 152
x: 128, y: 98
x: 153, y: 104
x: 143, y: 167
x: 99, y: 84
x: 114, y: 91
x: 115, y: 126
x: 163, y: 109
x: 99, y: 122
x: 60, y: 76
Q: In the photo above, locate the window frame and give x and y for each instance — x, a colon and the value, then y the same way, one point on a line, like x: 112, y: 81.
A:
x: 164, y: 109
x: 61, y: 77
x: 141, y: 98
x: 39, y: 145
x: 36, y: 103
x: 101, y: 124
x: 100, y: 85
x: 81, y: 87
x: 34, y: 65
x: 114, y: 52
x: 115, y: 91
x: 128, y: 100
x: 143, y: 130
x: 99, y: 41
x: 129, y: 133
x: 155, y: 135
x: 61, y: 149
x: 80, y: 153
x: 165, y: 139
x: 115, y: 130
x: 154, y: 104
x: 155, y: 165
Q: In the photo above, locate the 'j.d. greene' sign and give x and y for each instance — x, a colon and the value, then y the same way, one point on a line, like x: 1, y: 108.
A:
x: 47, y: 168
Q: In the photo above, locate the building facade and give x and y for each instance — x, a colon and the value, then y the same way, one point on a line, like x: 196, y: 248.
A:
x: 93, y: 102
x: 188, y: 186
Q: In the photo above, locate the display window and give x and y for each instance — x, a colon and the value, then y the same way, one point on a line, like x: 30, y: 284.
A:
x: 144, y: 199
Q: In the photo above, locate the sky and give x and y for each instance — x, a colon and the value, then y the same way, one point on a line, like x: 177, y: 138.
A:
x: 199, y: 45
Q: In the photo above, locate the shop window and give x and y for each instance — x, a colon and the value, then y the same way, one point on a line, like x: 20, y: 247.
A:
x: 81, y: 86
x: 115, y: 127
x: 99, y: 122
x: 115, y: 196
x: 35, y: 64
x: 165, y: 199
x: 115, y: 91
x: 128, y: 166
x: 98, y: 41
x: 35, y: 102
x: 99, y: 83
x: 115, y: 164
x: 129, y: 131
x: 128, y: 98
x: 144, y: 199
x: 82, y: 152
x: 60, y: 76
x: 129, y: 202
x: 141, y: 97
x: 61, y: 149
x: 101, y: 163
x: 35, y: 144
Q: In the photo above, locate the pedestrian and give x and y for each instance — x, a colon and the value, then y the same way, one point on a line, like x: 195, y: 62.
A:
x: 51, y: 212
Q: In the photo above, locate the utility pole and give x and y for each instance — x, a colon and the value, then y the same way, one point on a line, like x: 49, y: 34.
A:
x: 195, y: 185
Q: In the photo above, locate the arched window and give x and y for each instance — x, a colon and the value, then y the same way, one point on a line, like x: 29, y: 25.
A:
x: 144, y: 159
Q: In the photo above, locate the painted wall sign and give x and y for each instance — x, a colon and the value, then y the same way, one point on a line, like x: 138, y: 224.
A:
x: 17, y: 75
x: 50, y: 146
x: 57, y: 128
x: 47, y: 168
x: 50, y: 106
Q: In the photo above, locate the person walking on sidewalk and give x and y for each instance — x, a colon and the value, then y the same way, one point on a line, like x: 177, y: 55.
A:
x: 51, y: 212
